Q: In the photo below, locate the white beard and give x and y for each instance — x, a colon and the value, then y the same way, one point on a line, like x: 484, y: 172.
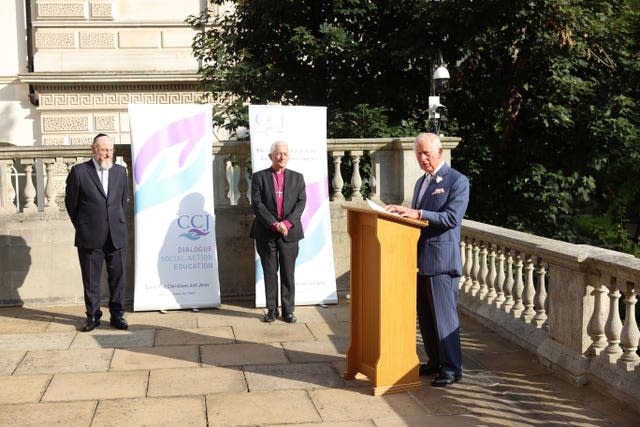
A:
x: 105, y: 163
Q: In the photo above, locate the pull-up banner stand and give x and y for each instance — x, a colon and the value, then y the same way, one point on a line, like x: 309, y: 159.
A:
x: 304, y: 129
x: 176, y: 263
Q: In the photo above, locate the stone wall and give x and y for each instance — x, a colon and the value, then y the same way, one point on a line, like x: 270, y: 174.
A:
x: 39, y: 265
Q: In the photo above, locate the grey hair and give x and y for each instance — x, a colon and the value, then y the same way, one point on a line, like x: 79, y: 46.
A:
x: 431, y: 137
x: 275, y: 144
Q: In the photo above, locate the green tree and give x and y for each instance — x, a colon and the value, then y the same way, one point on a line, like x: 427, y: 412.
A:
x: 544, y: 93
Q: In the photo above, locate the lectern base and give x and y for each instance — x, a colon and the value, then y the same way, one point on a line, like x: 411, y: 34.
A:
x: 379, y: 391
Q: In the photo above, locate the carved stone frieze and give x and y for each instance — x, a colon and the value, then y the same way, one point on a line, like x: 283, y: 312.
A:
x: 105, y: 122
x: 80, y: 139
x: 101, y: 10
x: 65, y: 123
x: 57, y: 9
x: 53, y: 140
x: 97, y: 40
x: 62, y: 101
x: 55, y: 40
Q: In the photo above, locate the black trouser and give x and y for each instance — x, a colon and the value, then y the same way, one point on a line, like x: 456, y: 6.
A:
x: 91, y: 261
x: 273, y: 254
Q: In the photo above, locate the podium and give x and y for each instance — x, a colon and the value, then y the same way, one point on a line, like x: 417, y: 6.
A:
x: 383, y: 300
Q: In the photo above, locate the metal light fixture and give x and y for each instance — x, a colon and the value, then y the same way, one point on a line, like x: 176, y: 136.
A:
x: 439, y: 84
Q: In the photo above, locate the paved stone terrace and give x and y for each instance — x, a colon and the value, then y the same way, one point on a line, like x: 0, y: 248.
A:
x: 225, y: 367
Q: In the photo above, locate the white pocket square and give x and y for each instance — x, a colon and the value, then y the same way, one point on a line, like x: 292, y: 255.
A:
x: 437, y: 191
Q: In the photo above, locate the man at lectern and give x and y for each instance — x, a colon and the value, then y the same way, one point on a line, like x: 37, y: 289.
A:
x: 278, y: 198
x: 441, y: 197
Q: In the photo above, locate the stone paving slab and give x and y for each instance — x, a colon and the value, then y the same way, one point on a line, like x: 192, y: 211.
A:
x: 65, y: 414
x: 23, y: 389
x: 291, y: 406
x: 10, y: 324
x: 179, y: 356
x: 114, y: 339
x: 215, y: 335
x: 9, y: 359
x: 299, y: 376
x: 36, y: 341
x: 353, y: 404
x: 360, y: 423
x: 278, y: 331
x: 97, y: 386
x: 242, y: 354
x: 176, y: 411
x: 433, y: 421
x: 154, y: 319
x: 228, y: 315
x: 60, y: 361
x: 195, y: 381
x: 316, y: 351
x: 322, y: 330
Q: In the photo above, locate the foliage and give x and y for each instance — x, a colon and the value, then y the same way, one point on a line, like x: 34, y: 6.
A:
x: 545, y: 93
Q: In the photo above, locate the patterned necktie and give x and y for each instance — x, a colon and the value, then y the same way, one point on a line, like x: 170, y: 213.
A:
x: 423, y: 188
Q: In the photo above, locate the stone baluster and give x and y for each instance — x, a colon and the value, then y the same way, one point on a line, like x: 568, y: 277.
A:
x: 629, y: 335
x: 484, y: 271
x: 598, y: 320
x: 356, y: 180
x: 491, y: 278
x: 373, y: 177
x: 29, y: 192
x: 529, y: 291
x: 500, y: 279
x: 468, y: 282
x: 540, y: 301
x: 50, y: 185
x: 613, y: 326
x: 463, y: 259
x: 7, y: 193
x: 518, y: 288
x: 228, y: 186
x: 243, y: 185
x: 475, y: 272
x: 508, y: 286
x: 337, y: 183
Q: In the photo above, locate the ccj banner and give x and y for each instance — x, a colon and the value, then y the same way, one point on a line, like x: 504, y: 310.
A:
x: 304, y: 129
x: 176, y: 263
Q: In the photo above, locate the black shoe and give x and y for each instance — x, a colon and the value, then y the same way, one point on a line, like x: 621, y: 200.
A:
x: 289, y: 318
x: 270, y: 317
x: 444, y: 380
x: 91, y: 324
x: 119, y: 323
x: 428, y: 369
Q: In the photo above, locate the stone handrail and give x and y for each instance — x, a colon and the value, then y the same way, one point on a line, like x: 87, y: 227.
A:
x: 557, y: 300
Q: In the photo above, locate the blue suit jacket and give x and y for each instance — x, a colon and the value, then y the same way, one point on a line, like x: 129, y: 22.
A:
x: 94, y: 215
x: 443, y: 204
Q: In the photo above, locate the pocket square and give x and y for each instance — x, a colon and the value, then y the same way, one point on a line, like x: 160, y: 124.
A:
x: 437, y: 191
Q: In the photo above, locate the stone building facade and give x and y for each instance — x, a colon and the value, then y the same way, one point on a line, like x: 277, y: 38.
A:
x: 71, y: 67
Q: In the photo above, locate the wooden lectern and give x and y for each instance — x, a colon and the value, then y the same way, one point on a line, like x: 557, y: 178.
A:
x: 383, y: 300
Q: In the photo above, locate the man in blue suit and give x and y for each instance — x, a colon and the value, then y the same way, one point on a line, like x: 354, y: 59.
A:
x: 441, y: 197
x: 96, y: 200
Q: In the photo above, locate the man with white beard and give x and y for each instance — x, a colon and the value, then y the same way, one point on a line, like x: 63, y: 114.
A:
x: 96, y: 200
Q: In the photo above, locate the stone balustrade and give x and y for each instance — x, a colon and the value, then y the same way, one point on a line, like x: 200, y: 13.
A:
x: 572, y: 305
x: 563, y: 302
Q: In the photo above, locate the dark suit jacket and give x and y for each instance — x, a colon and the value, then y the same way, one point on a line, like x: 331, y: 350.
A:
x: 264, y: 206
x: 94, y: 215
x: 443, y: 205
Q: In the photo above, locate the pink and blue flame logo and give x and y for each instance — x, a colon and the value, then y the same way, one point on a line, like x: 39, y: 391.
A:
x: 156, y: 187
